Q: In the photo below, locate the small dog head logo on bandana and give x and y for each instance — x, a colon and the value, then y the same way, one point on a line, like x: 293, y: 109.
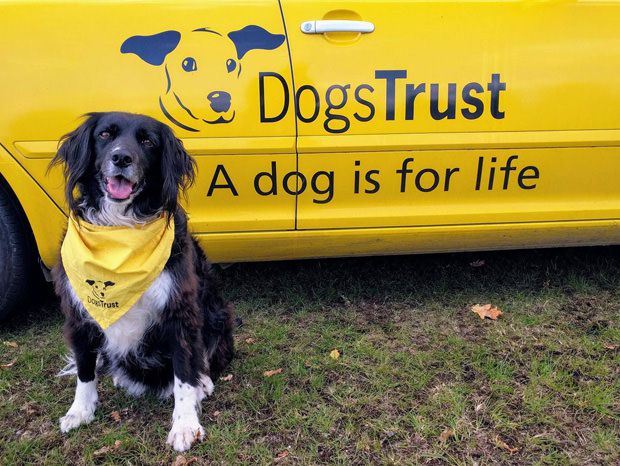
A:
x: 99, y: 288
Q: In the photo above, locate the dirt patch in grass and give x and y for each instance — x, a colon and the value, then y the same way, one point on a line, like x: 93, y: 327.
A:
x: 420, y: 380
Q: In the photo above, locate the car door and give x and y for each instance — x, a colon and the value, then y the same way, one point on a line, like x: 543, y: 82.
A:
x: 455, y: 113
x: 196, y: 66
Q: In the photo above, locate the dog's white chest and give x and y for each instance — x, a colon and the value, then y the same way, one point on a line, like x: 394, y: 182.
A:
x: 126, y: 333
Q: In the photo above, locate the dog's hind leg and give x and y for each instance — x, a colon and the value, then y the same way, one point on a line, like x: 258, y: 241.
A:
x: 85, y: 344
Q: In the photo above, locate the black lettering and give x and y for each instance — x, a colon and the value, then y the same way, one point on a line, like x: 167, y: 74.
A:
x: 411, y: 91
x: 418, y: 180
x: 450, y: 112
x: 261, y: 91
x: 496, y: 86
x: 372, y: 181
x: 331, y: 106
x: 523, y: 176
x: 272, y: 177
x: 317, y: 103
x: 298, y: 189
x: 367, y: 103
x: 390, y: 77
x: 356, y: 180
x: 507, y: 169
x: 479, y: 173
x: 229, y: 184
x: 329, y: 190
x: 471, y: 100
x: 403, y: 173
x: 449, y: 173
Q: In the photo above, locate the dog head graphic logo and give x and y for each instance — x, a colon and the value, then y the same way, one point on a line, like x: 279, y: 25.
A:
x: 192, y: 62
x: 99, y: 288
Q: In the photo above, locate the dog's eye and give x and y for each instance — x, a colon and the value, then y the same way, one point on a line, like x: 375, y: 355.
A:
x: 189, y: 64
x: 231, y: 65
x: 147, y: 143
x: 104, y: 135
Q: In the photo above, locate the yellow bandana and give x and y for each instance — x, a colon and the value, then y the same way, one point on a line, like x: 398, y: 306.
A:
x: 111, y: 267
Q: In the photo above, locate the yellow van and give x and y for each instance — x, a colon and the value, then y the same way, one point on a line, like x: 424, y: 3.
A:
x: 327, y: 128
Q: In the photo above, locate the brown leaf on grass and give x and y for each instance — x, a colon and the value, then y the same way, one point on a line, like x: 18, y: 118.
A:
x: 334, y: 354
x: 216, y: 413
x: 105, y: 450
x: 11, y: 344
x: 8, y: 364
x: 250, y: 341
x: 611, y: 346
x: 478, y: 263
x: 445, y: 435
x: 227, y: 378
x: 499, y: 443
x: 180, y: 460
x: 273, y: 372
x: 486, y: 310
x: 281, y: 456
x: 116, y: 416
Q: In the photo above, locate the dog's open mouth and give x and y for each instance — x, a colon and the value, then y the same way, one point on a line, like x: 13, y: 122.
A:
x: 119, y: 187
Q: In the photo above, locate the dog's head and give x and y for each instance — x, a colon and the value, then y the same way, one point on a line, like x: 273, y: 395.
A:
x: 201, y: 69
x: 132, y: 162
x: 98, y: 288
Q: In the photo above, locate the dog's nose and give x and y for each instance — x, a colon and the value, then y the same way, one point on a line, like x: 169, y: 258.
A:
x: 121, y: 160
x: 219, y: 100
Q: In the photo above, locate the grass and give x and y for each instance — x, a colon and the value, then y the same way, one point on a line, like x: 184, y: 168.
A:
x: 415, y: 362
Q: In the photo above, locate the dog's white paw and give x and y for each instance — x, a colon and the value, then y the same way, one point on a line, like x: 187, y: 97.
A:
x: 76, y: 417
x: 184, y: 433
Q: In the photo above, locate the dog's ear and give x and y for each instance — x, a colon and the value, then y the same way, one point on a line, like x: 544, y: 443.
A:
x: 152, y: 49
x: 74, y: 154
x: 90, y: 282
x: 177, y: 169
x: 108, y: 283
x: 254, y: 37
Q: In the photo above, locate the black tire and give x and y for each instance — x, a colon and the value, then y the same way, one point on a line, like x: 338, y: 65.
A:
x: 18, y: 265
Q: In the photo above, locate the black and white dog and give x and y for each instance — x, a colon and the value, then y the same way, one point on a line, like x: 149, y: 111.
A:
x: 128, y: 169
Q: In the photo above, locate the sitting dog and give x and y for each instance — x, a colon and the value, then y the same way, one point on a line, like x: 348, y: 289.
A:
x: 124, y: 174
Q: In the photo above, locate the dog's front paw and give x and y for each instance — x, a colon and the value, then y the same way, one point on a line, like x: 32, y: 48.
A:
x: 184, y: 433
x: 76, y: 417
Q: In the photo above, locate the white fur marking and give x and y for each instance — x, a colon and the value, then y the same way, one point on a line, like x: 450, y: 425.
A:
x: 185, y: 423
x: 82, y: 411
x: 126, y: 333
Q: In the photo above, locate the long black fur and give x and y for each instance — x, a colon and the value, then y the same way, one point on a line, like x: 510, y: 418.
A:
x: 193, y: 334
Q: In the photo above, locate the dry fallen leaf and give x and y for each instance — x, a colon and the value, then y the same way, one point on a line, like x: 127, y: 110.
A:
x: 105, y: 450
x: 501, y: 444
x: 445, y: 435
x: 116, y: 416
x: 273, y: 372
x: 478, y: 263
x: 250, y: 341
x: 8, y: 364
x: 611, y: 346
x: 180, y: 460
x: 486, y: 310
x: 12, y: 344
x: 334, y: 354
x: 216, y: 413
x: 227, y: 378
x: 281, y: 456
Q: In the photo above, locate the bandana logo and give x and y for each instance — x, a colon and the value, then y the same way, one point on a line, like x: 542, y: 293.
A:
x: 98, y: 290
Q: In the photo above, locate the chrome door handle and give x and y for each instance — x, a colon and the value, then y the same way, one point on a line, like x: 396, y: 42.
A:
x: 336, y: 25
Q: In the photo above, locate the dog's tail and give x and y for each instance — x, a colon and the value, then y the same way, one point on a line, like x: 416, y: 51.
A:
x: 70, y: 366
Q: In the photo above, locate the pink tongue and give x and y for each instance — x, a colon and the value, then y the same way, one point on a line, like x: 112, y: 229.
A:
x: 119, y: 188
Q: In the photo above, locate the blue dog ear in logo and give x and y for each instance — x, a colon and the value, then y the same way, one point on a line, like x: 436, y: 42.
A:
x: 152, y: 49
x: 254, y: 37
